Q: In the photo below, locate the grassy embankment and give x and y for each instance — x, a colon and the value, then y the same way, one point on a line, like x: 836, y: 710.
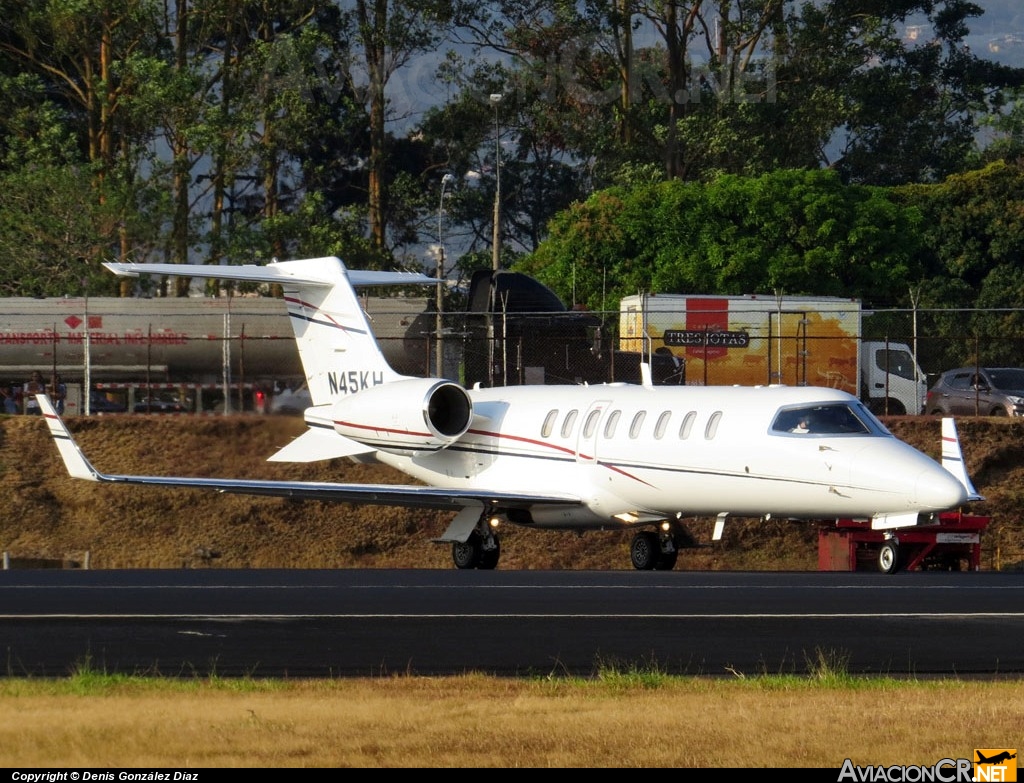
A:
x: 49, y: 515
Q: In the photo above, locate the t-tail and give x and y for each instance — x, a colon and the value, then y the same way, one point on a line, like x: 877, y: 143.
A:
x: 341, y: 360
x: 338, y: 350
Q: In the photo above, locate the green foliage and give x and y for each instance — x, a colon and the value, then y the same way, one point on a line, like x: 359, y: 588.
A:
x: 249, y: 136
x: 50, y: 227
x: 795, y: 232
x: 972, y: 256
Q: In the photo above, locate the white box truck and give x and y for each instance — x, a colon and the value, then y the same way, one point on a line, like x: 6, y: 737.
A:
x: 792, y: 340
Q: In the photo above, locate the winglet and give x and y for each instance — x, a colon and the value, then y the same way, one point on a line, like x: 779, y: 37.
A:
x: 953, y: 458
x: 74, y: 460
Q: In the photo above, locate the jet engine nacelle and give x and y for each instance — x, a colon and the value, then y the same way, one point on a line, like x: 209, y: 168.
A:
x: 412, y: 416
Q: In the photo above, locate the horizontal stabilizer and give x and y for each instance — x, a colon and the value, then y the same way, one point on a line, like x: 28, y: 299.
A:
x: 296, y: 272
x: 319, y: 444
x: 953, y: 458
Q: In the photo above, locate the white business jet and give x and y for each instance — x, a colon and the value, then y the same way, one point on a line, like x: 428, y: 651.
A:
x: 598, y: 457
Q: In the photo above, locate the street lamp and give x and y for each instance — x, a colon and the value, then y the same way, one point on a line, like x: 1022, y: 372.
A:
x: 496, y: 240
x: 446, y: 180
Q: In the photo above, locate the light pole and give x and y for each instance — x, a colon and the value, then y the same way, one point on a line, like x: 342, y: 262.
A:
x: 446, y: 180
x: 496, y: 240
x: 86, y: 359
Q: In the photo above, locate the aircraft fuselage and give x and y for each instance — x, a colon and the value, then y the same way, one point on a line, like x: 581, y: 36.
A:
x: 695, y: 451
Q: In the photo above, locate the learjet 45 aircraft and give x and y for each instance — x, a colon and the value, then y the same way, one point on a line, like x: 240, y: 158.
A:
x: 595, y: 457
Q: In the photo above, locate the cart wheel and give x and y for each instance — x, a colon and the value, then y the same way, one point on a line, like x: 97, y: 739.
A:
x: 888, y: 557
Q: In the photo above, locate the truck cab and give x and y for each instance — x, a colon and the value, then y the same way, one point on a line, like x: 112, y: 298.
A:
x: 891, y: 382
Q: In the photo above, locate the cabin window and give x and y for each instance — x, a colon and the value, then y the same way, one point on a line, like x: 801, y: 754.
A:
x: 687, y: 425
x: 549, y: 424
x: 610, y: 425
x: 570, y: 420
x: 591, y: 423
x: 638, y: 422
x: 662, y: 424
x: 711, y: 430
x: 824, y: 419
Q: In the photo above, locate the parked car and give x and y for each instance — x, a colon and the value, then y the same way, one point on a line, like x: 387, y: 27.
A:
x: 160, y: 403
x: 290, y: 402
x: 978, y: 391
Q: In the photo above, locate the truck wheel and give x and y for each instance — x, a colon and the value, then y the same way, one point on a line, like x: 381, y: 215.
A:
x: 889, y: 557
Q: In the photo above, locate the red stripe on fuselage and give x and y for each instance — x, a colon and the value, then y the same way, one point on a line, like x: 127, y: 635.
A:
x: 355, y: 426
x: 562, y: 449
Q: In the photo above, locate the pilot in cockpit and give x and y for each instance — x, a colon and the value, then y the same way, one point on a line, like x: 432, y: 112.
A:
x: 803, y: 425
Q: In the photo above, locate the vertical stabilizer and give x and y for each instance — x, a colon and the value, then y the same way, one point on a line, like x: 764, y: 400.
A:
x: 953, y: 458
x: 339, y: 352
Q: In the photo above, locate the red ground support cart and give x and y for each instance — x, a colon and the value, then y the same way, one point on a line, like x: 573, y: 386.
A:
x: 951, y: 544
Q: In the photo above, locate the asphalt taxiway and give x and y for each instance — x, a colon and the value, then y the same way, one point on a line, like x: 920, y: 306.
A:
x: 348, y: 623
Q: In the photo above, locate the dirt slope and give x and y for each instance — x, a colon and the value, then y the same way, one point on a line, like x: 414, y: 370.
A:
x: 48, y: 515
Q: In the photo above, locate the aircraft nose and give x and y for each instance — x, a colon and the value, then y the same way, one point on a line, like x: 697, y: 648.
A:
x: 938, y: 489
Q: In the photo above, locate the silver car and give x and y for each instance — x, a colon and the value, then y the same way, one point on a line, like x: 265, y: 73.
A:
x: 978, y: 391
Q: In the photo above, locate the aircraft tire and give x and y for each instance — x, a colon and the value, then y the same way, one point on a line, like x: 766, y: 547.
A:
x: 645, y: 551
x: 889, y: 557
x: 466, y: 555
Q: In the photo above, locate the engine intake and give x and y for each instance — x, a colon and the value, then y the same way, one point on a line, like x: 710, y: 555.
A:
x: 413, y: 416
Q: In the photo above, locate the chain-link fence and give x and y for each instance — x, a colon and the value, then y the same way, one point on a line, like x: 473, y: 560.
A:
x: 249, y: 344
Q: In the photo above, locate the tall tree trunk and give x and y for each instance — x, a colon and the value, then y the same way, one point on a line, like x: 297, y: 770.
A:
x: 626, y: 72
x: 181, y: 162
x: 374, y: 35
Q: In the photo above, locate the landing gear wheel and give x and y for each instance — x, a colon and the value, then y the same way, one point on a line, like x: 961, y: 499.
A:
x: 489, y: 557
x: 467, y: 554
x: 645, y: 551
x: 889, y: 557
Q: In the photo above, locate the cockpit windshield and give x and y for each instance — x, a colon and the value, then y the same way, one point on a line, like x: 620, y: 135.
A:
x: 833, y: 418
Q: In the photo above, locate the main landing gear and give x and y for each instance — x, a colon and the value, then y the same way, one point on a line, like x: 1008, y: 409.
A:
x: 650, y: 550
x: 481, y: 550
x: 658, y: 550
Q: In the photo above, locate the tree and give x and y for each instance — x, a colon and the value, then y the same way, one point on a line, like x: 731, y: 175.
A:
x: 793, y: 232
x: 51, y: 227
x: 78, y: 47
x: 913, y: 114
x: 388, y: 33
x: 972, y: 254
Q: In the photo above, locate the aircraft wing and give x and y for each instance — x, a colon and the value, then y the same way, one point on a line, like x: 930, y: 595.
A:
x: 412, y: 496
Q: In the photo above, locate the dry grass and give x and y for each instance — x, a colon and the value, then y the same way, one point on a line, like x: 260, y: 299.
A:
x: 475, y: 721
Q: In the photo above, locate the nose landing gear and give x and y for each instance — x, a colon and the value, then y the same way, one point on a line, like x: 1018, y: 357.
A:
x: 889, y: 557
